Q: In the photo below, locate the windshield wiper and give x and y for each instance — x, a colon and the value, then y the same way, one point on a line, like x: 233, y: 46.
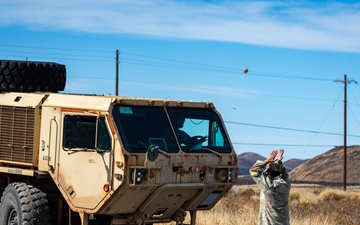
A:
x: 213, y: 151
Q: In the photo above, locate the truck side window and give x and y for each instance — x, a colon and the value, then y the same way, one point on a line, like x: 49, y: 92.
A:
x: 103, y: 138
x: 85, y: 132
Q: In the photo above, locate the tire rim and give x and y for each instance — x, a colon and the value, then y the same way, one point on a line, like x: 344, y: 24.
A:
x: 12, y: 217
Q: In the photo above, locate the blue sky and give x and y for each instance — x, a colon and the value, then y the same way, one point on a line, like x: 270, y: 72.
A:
x: 196, y: 50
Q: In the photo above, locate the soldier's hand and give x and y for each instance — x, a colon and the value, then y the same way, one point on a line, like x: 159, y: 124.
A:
x: 280, y: 156
x: 272, y: 156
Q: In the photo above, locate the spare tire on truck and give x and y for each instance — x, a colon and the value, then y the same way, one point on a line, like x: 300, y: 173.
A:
x: 27, y: 76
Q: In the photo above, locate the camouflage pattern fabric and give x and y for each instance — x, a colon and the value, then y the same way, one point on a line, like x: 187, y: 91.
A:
x: 274, y: 195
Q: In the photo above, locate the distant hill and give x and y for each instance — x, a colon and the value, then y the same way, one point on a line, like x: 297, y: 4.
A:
x: 329, y: 167
x: 293, y: 163
x: 247, y: 159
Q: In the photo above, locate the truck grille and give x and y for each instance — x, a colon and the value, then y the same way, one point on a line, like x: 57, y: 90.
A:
x: 17, y: 134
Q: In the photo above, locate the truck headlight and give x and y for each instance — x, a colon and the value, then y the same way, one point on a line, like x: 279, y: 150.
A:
x: 230, y: 175
x: 138, y: 176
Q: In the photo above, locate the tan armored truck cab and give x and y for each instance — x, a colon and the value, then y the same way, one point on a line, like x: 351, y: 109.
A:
x: 91, y: 159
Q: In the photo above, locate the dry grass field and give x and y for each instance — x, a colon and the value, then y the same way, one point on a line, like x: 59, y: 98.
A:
x: 309, y: 205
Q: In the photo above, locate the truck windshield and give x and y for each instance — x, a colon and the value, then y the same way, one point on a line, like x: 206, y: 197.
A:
x: 199, y: 130
x: 142, y: 126
x: 196, y: 130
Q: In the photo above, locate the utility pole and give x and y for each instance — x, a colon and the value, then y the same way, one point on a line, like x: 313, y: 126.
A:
x: 345, y: 81
x: 117, y: 73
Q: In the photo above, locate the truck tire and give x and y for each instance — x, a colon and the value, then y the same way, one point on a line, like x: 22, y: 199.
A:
x: 23, y: 204
x: 26, y: 76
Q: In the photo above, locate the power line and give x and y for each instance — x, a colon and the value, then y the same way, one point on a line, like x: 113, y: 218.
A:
x: 288, y: 129
x: 179, y: 64
x: 227, y: 91
x: 92, y: 78
x: 263, y: 74
x: 184, y: 62
x: 322, y: 123
x: 356, y: 103
x: 353, y: 114
x: 354, y: 97
x: 287, y: 145
x: 158, y: 62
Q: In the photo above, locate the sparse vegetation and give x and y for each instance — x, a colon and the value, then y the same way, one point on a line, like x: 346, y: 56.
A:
x: 327, y: 168
x: 309, y: 205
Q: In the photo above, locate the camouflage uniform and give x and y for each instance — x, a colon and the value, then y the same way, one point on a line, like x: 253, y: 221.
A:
x: 274, y: 194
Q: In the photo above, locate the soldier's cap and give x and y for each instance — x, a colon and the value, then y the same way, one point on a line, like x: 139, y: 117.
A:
x: 273, y: 167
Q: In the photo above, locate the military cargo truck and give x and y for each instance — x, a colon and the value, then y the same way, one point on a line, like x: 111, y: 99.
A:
x: 92, y: 159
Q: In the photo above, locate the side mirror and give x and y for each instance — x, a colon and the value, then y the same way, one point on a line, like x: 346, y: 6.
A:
x: 152, y: 153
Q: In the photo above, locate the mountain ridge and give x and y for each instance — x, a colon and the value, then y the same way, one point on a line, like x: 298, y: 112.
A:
x: 326, y: 168
x: 247, y: 159
x: 329, y: 167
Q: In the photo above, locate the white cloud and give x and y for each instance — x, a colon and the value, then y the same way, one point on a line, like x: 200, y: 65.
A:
x: 303, y: 25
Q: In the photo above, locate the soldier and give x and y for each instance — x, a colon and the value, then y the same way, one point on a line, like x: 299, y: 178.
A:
x: 271, y: 177
x: 182, y: 136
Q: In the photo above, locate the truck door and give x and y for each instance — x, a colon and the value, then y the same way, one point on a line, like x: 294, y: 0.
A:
x: 84, y: 160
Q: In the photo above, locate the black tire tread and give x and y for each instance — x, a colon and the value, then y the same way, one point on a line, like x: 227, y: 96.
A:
x: 28, y: 76
x: 34, y: 204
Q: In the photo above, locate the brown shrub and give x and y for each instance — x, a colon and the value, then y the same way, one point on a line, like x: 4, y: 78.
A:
x: 309, y: 205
